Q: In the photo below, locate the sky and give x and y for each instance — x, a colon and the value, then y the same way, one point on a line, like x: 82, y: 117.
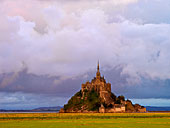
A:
x: 48, y: 48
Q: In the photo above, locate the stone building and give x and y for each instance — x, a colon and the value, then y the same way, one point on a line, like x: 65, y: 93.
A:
x: 99, y: 84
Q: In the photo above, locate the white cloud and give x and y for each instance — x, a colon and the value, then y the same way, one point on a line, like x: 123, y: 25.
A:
x: 67, y: 39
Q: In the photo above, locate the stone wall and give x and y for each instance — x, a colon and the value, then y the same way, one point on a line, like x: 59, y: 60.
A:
x: 116, y: 109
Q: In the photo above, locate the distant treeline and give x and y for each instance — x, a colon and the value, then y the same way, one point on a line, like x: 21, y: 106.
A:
x: 41, y: 109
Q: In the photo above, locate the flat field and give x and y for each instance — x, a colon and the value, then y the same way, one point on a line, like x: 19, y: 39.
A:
x: 79, y: 120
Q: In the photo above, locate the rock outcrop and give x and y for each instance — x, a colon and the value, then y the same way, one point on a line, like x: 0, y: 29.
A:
x: 96, y: 97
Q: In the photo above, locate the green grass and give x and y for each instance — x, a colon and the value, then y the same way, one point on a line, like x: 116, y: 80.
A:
x: 115, y: 120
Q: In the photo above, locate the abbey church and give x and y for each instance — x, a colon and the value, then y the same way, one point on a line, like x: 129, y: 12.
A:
x: 99, y: 84
x: 96, y: 97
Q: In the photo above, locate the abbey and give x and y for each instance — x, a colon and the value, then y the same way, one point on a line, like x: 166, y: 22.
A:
x: 99, y: 84
x: 96, y: 96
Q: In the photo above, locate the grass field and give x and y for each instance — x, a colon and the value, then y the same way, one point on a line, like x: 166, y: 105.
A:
x: 56, y: 120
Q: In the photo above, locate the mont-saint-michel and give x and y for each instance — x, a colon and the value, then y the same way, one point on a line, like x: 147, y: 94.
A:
x: 96, y: 97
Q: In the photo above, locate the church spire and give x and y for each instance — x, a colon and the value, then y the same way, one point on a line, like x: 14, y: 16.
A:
x: 98, y: 71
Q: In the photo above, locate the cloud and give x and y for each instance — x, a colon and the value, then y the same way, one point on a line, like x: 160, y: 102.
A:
x: 122, y: 84
x: 63, y: 39
x: 60, y: 41
x: 88, y: 35
x: 25, y: 82
x: 150, y: 11
x: 24, y: 101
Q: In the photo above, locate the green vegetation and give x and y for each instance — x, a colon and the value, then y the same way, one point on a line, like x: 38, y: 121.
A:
x: 91, y: 101
x: 121, y: 98
x: 75, y: 101
x: 80, y: 120
x: 113, y: 96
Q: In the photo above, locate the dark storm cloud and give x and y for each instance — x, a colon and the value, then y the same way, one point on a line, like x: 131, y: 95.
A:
x: 39, y: 84
x: 121, y: 84
x: 145, y: 88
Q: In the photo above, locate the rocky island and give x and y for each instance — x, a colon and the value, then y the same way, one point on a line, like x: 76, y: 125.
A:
x: 96, y: 97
